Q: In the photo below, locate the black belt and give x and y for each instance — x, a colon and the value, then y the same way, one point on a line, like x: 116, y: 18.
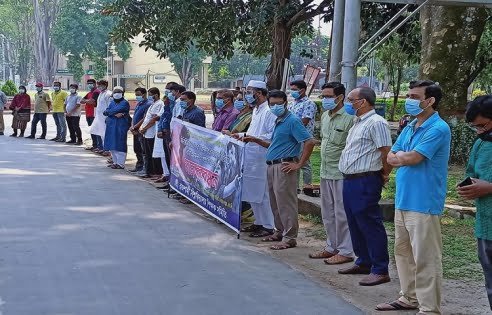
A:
x: 290, y: 159
x: 360, y: 175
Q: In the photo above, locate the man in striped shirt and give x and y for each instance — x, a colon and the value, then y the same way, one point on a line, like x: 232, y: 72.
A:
x: 365, y: 170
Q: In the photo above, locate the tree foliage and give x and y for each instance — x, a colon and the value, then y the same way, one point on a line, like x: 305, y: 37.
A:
x: 9, y: 88
x: 91, y: 38
x: 187, y: 63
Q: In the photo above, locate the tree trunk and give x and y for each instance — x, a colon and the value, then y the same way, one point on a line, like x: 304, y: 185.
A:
x: 399, y: 75
x: 450, y: 38
x: 282, y: 39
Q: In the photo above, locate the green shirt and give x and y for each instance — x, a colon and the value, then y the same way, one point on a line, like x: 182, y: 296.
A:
x: 41, y: 102
x: 334, y: 132
x: 479, y: 166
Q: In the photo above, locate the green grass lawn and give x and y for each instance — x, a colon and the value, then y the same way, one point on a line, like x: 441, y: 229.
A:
x: 456, y: 175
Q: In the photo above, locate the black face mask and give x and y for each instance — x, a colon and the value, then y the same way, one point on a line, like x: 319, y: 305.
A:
x: 486, y: 136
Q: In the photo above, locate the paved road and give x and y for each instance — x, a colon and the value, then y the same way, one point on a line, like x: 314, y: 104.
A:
x: 79, y: 238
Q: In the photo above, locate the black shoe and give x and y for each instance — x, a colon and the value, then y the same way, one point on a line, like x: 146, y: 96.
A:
x: 135, y: 170
x: 70, y: 142
x: 60, y: 140
x: 13, y: 135
x: 30, y: 137
x: 54, y: 139
x: 42, y: 138
x: 79, y: 143
x: 1, y: 133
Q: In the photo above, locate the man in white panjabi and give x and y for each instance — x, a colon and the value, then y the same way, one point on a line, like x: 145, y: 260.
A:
x: 255, y: 189
x: 98, y: 127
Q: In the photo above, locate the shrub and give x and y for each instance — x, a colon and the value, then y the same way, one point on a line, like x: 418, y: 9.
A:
x: 462, y: 140
x: 9, y: 88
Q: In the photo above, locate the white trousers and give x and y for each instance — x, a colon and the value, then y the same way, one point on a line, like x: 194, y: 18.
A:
x: 165, y: 169
x: 263, y: 212
x: 335, y: 218
x: 118, y: 158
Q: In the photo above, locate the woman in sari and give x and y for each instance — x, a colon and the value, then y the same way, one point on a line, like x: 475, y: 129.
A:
x: 243, y: 120
x: 21, y: 109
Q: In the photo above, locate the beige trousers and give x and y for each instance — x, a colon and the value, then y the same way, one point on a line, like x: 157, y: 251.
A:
x: 283, y: 201
x: 418, y: 255
x: 2, y: 124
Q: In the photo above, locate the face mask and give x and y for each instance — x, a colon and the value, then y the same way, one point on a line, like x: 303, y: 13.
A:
x: 295, y: 94
x: 100, y: 87
x: 167, y: 92
x: 278, y: 109
x: 413, y: 107
x: 349, y: 108
x: 72, y: 91
x: 219, y: 103
x: 250, y: 98
x: 328, y: 103
x: 39, y: 89
x: 151, y: 97
x: 239, y: 105
x: 486, y: 136
x: 139, y: 98
x: 56, y: 88
x: 22, y: 91
x: 117, y: 96
x: 183, y: 104
x: 90, y: 86
x: 171, y: 97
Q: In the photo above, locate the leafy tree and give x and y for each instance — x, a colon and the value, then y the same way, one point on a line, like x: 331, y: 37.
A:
x: 310, y: 49
x: 238, y: 65
x: 89, y: 40
x: 9, y: 88
x: 187, y: 63
x: 259, y: 27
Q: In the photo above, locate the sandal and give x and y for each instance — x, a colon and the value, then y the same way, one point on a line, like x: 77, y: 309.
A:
x: 286, y: 245
x: 338, y: 260
x: 262, y: 233
x: 117, y: 167
x: 322, y: 255
x: 111, y: 165
x: 252, y: 228
x: 395, y: 306
x: 276, y: 237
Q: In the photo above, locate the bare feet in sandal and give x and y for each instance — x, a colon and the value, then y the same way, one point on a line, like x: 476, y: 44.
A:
x: 396, y: 305
x: 284, y: 245
x: 338, y: 260
x: 276, y: 237
x: 322, y: 255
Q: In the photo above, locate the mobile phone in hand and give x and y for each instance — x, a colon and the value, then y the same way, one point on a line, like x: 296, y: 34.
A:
x: 466, y: 182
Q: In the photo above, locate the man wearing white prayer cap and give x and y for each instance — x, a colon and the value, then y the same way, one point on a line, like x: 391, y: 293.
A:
x: 255, y: 190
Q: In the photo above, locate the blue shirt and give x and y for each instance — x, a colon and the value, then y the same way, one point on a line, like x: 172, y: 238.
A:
x: 422, y: 188
x: 140, y: 110
x: 287, y: 137
x: 165, y: 120
x: 194, y: 115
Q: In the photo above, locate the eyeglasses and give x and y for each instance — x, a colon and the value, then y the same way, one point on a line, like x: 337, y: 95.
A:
x: 479, y: 128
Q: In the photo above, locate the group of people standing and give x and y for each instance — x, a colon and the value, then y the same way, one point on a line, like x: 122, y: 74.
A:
x: 357, y: 157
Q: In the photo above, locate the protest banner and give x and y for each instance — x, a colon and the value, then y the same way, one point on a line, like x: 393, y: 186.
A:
x: 206, y: 168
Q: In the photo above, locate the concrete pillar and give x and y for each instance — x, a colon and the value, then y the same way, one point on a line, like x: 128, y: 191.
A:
x: 337, y: 41
x: 351, y: 43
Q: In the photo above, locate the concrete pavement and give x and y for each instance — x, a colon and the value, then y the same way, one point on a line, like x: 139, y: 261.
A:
x: 79, y: 238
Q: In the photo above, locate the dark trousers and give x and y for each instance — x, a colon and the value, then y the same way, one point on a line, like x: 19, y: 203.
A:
x: 153, y: 166
x: 73, y: 123
x: 138, y: 148
x: 167, y: 151
x: 485, y: 256
x: 90, y: 120
x: 365, y: 220
x: 39, y: 117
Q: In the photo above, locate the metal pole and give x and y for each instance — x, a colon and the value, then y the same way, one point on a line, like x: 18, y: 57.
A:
x: 351, y: 43
x: 384, y: 28
x: 337, y: 41
x: 107, y: 62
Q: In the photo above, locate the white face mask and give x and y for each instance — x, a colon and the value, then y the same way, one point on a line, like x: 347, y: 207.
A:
x: 117, y: 96
x: 72, y: 91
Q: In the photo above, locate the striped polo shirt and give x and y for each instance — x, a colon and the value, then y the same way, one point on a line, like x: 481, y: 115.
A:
x: 361, y: 154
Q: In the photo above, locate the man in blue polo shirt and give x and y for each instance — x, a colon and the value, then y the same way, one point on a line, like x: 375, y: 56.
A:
x: 422, y: 154
x: 138, y: 118
x: 283, y: 162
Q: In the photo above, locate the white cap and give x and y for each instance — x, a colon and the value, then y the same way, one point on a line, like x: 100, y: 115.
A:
x: 118, y: 88
x: 257, y: 84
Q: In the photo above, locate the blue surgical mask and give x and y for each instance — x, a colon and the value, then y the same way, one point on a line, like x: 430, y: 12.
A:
x: 56, y: 88
x: 250, y: 98
x: 328, y: 103
x: 117, y: 96
x: 349, y: 108
x: 413, y: 107
x: 219, y: 103
x: 90, y: 86
x: 139, y: 98
x: 39, y: 89
x: 277, y: 109
x: 171, y: 97
x: 295, y: 94
x: 239, y: 105
x: 183, y: 104
x: 167, y: 92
